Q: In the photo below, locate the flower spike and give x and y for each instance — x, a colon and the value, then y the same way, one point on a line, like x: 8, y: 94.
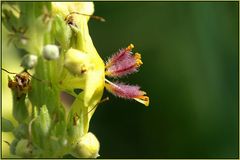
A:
x: 123, y: 62
x: 127, y: 92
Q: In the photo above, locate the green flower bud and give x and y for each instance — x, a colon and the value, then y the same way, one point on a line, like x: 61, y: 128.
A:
x: 50, y: 52
x: 21, y: 131
x: 20, y: 111
x: 86, y: 147
x: 61, y: 32
x: 13, y: 146
x: 29, y: 61
x: 24, y: 148
x: 7, y: 125
x: 76, y: 62
x: 44, y: 120
x: 40, y: 127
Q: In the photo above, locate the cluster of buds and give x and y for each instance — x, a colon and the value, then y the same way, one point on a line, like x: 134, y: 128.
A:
x: 121, y: 64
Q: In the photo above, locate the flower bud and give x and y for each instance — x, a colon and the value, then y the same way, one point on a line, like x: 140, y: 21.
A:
x: 21, y: 131
x: 29, y: 61
x: 86, y: 147
x: 76, y: 61
x: 20, y: 111
x: 41, y: 126
x: 24, y: 148
x: 13, y: 146
x: 7, y: 125
x: 50, y: 52
x: 61, y: 32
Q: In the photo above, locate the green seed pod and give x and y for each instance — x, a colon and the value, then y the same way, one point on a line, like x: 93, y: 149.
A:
x: 24, y: 148
x: 50, y: 52
x: 86, y: 147
x: 29, y: 61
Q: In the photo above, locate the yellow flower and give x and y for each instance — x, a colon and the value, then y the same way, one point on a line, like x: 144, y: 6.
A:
x: 64, y: 8
x: 85, y: 68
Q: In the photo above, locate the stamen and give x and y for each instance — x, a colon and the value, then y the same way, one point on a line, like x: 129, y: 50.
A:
x: 123, y: 63
x: 137, y: 57
x: 127, y: 91
x: 130, y: 47
x: 143, y: 99
x: 117, y: 57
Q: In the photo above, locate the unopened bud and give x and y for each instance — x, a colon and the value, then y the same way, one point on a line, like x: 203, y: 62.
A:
x: 24, y: 148
x: 41, y: 126
x: 13, y: 146
x: 50, y: 52
x: 76, y: 62
x: 29, y: 61
x: 86, y: 147
x: 21, y: 131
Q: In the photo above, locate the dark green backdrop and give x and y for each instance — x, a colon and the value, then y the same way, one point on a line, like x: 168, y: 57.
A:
x: 190, y: 72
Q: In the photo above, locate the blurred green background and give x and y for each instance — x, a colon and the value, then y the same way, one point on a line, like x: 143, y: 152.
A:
x: 190, y: 72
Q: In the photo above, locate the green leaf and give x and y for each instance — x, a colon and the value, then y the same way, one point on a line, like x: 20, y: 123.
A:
x: 7, y: 125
